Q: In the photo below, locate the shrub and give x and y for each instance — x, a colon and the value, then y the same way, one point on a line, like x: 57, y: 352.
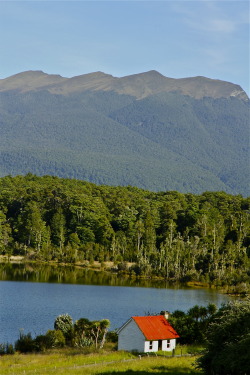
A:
x: 2, y: 349
x: 55, y: 339
x: 25, y: 343
x: 64, y: 323
x: 9, y: 349
x: 82, y: 342
x: 41, y: 343
x: 112, y: 337
x: 228, y: 341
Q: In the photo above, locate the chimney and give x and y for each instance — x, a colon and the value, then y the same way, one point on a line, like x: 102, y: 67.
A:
x: 165, y: 314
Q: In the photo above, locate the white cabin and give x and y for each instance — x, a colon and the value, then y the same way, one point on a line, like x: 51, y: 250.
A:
x: 147, y: 334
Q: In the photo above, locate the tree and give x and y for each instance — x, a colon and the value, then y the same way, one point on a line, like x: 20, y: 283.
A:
x: 64, y: 323
x: 31, y: 227
x: 99, y: 331
x: 5, y: 232
x: 87, y: 332
x: 55, y: 339
x: 25, y: 343
x: 228, y: 341
x: 58, y: 229
x: 82, y: 329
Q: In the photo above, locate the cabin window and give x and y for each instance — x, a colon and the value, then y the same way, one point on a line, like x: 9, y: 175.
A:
x: 150, y: 345
x: 168, y: 343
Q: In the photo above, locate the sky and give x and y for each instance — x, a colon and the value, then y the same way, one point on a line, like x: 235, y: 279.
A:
x: 177, y: 38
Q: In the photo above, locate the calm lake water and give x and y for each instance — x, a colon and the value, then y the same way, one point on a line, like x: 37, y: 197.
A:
x: 33, y: 306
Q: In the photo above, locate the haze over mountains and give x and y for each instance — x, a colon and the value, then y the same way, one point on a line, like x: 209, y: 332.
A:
x: 145, y: 130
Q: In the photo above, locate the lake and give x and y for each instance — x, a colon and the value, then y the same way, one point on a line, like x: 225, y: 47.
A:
x: 33, y: 306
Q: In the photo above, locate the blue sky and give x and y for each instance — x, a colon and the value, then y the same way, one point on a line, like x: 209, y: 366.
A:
x: 177, y: 38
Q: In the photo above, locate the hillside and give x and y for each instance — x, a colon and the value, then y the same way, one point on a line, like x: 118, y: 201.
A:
x: 145, y: 130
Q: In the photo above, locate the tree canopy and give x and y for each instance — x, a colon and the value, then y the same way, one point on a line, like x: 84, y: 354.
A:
x: 228, y: 341
x: 170, y: 234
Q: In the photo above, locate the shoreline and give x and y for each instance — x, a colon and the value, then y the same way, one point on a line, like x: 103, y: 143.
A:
x: 109, y: 267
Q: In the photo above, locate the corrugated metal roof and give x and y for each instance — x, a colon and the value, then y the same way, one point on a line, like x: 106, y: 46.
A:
x: 155, y: 327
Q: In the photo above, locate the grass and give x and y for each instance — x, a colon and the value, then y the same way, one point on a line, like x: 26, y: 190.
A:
x: 66, y: 362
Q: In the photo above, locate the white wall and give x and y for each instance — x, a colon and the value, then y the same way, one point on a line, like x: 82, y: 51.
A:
x: 171, y: 343
x: 131, y: 338
x: 167, y: 346
x: 154, y: 346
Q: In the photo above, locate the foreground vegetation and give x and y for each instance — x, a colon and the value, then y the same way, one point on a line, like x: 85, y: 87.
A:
x: 66, y: 362
x: 78, y: 347
x: 168, y: 234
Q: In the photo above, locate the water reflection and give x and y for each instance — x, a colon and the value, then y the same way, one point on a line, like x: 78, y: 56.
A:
x: 54, y: 290
x: 71, y: 275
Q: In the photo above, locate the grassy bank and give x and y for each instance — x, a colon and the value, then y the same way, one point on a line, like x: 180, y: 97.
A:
x: 72, y: 362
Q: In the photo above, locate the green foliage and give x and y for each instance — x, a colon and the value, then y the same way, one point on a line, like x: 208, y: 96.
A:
x: 192, y: 326
x: 55, y: 339
x: 165, y: 141
x: 168, y: 234
x: 87, y: 333
x: 228, y: 340
x: 63, y: 323
x: 112, y: 336
x: 25, y: 343
x: 82, y: 334
x: 41, y: 343
x: 6, y: 349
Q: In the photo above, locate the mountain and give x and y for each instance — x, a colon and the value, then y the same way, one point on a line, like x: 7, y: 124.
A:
x: 138, y: 85
x: 146, y: 130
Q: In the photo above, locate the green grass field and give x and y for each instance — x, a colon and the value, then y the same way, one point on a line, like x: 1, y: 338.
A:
x: 72, y: 362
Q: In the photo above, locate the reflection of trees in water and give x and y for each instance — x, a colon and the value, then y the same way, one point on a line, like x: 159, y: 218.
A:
x: 70, y: 275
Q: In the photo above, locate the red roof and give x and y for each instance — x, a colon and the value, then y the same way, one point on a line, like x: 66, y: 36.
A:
x: 155, y: 327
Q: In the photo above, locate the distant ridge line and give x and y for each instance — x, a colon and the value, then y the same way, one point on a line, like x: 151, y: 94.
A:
x: 139, y: 85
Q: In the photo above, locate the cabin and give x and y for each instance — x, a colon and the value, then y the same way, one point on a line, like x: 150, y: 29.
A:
x: 147, y: 334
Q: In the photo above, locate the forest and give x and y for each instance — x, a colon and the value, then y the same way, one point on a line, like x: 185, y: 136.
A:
x: 166, y: 141
x: 176, y: 236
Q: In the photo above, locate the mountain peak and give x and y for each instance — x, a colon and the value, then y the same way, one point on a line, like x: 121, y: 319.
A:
x: 29, y: 80
x: 139, y: 85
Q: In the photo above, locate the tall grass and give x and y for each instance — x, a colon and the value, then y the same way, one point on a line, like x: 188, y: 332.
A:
x: 65, y: 362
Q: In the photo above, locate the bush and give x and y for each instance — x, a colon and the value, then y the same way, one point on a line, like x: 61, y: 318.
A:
x: 82, y: 342
x: 64, y: 323
x: 9, y: 349
x: 2, y: 349
x: 228, y: 341
x: 112, y: 337
x: 55, y: 339
x: 122, y: 267
x: 25, y: 343
x: 41, y: 343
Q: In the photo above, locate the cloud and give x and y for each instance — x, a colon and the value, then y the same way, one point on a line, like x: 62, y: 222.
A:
x: 223, y: 17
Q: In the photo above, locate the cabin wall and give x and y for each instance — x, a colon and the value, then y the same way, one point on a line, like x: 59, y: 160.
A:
x: 168, y: 345
x: 131, y: 338
x: 151, y: 346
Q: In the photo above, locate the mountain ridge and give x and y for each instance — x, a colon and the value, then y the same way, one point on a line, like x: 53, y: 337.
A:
x: 139, y: 85
x: 142, y: 130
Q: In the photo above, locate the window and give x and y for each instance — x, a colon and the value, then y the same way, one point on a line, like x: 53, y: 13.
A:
x: 168, y: 343
x: 150, y: 345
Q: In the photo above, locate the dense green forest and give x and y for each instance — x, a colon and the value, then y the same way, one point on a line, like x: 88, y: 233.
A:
x: 169, y: 234
x: 157, y: 141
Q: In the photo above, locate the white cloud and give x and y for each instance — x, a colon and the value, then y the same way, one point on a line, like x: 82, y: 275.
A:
x: 213, y: 17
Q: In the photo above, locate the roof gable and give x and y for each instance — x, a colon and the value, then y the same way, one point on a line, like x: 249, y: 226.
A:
x: 155, y: 327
